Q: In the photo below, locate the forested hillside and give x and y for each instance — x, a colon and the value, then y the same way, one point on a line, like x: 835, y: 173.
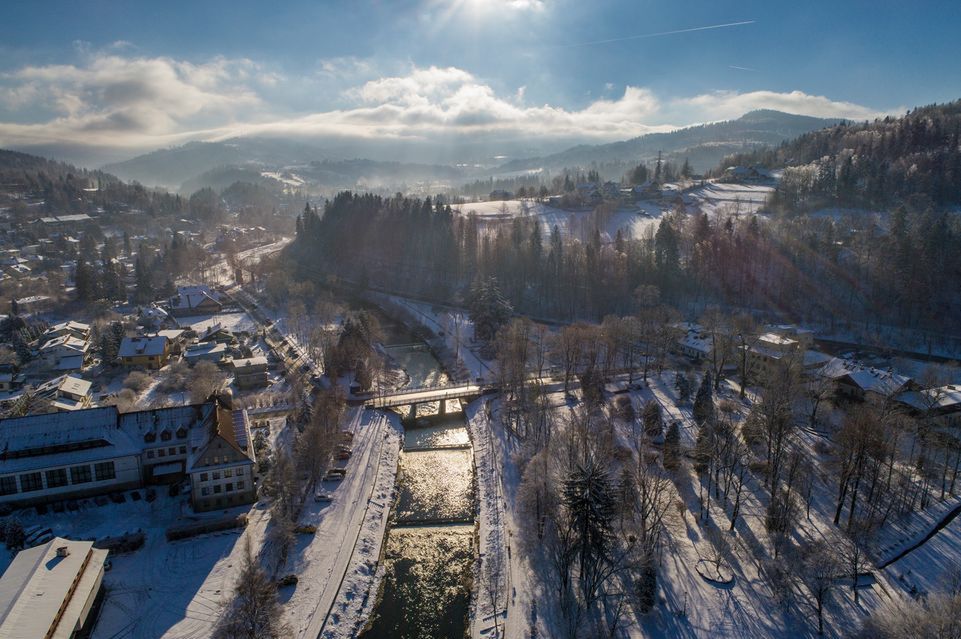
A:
x: 796, y: 268
x: 64, y: 188
x: 873, y: 164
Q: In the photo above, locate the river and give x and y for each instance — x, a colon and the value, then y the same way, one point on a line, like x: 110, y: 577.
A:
x: 429, y: 549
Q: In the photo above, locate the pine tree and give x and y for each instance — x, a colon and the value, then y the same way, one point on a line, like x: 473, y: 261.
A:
x: 703, y: 411
x: 672, y: 446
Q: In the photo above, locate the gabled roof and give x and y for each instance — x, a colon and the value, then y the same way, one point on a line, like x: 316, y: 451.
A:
x: 40, y: 585
x: 941, y: 399
x: 228, y: 427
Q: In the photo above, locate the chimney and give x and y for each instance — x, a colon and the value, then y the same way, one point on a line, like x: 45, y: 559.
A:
x: 63, y: 551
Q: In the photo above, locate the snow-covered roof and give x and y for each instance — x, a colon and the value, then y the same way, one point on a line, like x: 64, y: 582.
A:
x: 776, y: 339
x: 62, y: 439
x: 942, y: 399
x: 48, y: 586
x: 205, y: 349
x: 249, y: 361
x: 70, y: 326
x: 882, y: 382
x: 143, y: 346
x: 65, y: 341
x: 68, y: 384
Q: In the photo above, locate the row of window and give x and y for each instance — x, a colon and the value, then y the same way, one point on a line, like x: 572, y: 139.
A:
x: 227, y: 472
x: 163, y: 452
x: 57, y: 477
x: 229, y: 487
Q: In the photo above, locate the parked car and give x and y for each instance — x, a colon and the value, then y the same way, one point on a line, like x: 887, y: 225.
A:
x: 323, y: 498
x: 343, y: 454
x: 335, y: 474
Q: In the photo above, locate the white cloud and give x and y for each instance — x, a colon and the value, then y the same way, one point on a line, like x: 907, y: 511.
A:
x: 721, y: 105
x: 107, y: 99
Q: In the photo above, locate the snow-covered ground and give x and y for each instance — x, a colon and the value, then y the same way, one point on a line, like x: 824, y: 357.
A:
x: 716, y: 198
x: 336, y: 565
x: 234, y: 322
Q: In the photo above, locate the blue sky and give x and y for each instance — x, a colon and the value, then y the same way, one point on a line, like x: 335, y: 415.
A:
x: 144, y: 75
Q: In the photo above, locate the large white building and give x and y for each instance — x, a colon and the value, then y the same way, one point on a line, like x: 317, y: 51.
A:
x: 45, y: 458
x: 49, y: 590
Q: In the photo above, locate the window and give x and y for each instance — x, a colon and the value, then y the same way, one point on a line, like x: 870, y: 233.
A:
x: 228, y: 472
x: 216, y: 488
x: 216, y: 474
x: 181, y: 433
x: 183, y: 450
x: 162, y: 452
x: 165, y: 436
x: 149, y: 454
x: 240, y: 485
x: 105, y: 471
x: 203, y: 476
x: 80, y: 475
x: 30, y: 482
x: 240, y: 471
x: 56, y: 477
x: 172, y: 451
x: 204, y: 491
x: 229, y: 487
x: 8, y: 485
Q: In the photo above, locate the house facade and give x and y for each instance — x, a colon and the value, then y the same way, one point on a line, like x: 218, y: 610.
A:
x: 57, y: 456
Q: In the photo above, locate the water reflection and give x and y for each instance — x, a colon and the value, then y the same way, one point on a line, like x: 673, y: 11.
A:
x: 419, y: 363
x: 434, y: 485
x: 426, y: 588
x: 438, y: 432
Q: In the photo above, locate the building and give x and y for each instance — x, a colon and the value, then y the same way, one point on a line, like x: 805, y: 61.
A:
x: 31, y: 305
x: 64, y: 352
x: 207, y: 351
x: 192, y: 301
x: 853, y: 381
x: 58, y: 456
x: 66, y: 393
x: 250, y: 372
x: 942, y: 405
x: 77, y: 330
x: 769, y: 352
x: 50, y: 590
x: 55, y: 456
x: 222, y: 469
x: 147, y: 352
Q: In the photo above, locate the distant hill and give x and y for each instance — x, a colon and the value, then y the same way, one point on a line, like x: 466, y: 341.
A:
x: 174, y: 166
x: 702, y: 145
x: 870, y: 164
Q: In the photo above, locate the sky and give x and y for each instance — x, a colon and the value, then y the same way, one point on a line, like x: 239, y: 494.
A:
x: 128, y: 77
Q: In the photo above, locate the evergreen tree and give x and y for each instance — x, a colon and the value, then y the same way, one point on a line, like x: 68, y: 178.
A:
x: 703, y: 411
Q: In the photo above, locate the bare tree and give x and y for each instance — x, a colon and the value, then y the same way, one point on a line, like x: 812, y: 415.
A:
x: 820, y: 569
x: 254, y: 612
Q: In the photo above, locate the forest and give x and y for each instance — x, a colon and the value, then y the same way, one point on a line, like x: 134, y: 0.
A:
x: 790, y: 268
x: 876, y: 164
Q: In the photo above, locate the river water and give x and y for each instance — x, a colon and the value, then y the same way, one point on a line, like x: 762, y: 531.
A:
x: 429, y: 549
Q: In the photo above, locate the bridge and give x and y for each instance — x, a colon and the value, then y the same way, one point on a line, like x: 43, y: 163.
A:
x: 412, y: 397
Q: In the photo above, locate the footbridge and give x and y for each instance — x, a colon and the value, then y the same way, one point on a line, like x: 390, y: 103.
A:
x: 412, y: 397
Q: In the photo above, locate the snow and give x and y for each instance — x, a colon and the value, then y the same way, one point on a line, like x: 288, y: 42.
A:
x: 234, y: 322
x: 339, y: 560
x: 715, y: 198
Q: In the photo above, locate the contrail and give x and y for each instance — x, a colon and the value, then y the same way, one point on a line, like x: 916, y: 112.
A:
x: 659, y: 34
x: 734, y: 66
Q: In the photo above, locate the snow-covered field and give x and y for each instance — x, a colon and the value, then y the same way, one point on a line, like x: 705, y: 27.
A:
x: 234, y: 322
x: 741, y: 199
